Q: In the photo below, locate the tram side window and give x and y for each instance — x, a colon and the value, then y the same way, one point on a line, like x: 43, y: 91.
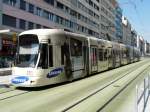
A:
x: 101, y: 54
x: 43, y: 62
x: 50, y: 56
x: 62, y: 55
x: 117, y: 52
x: 94, y: 56
x: 105, y: 55
x: 109, y: 54
x: 122, y: 53
x: 125, y: 54
x: 76, y: 47
x: 128, y: 55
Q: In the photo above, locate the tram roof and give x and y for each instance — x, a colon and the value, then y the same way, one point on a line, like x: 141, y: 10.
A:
x: 43, y: 31
x: 47, y: 32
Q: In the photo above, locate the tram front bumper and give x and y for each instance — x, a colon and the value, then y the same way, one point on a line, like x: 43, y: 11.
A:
x: 24, y: 81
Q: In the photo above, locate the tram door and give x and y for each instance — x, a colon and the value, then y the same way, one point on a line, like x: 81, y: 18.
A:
x: 94, y: 61
x: 77, y: 61
x: 110, y: 60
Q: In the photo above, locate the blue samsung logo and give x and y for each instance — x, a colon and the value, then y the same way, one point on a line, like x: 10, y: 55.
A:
x: 54, y: 72
x: 20, y: 79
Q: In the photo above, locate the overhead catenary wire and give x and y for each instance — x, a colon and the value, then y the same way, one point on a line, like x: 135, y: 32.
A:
x: 137, y: 12
x: 133, y: 4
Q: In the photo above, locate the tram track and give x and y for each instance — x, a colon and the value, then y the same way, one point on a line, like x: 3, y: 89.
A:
x: 7, y: 88
x: 122, y: 89
x: 8, y: 91
x: 107, y: 85
x: 48, y: 99
x: 12, y: 93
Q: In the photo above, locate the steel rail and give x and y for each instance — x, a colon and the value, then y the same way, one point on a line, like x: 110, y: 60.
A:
x: 109, y: 84
x: 102, y: 107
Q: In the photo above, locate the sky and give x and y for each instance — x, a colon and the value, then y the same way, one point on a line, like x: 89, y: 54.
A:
x: 138, y: 14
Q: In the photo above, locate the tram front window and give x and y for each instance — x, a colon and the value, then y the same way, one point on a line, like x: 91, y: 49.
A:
x: 27, y: 53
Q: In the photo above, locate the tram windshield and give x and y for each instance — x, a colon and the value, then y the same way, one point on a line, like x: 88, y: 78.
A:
x: 27, y: 54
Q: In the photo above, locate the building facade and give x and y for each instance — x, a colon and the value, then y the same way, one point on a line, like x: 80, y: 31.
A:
x: 126, y: 31
x: 118, y: 23
x: 141, y: 45
x: 89, y: 17
x: 80, y: 16
x: 133, y: 38
x: 147, y: 48
x: 107, y: 19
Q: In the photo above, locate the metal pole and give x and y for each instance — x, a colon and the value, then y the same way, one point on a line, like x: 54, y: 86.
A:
x: 136, y: 99
x: 148, y: 84
x: 144, y: 95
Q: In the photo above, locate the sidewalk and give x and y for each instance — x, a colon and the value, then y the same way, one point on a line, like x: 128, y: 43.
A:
x: 148, y: 106
x: 5, y: 71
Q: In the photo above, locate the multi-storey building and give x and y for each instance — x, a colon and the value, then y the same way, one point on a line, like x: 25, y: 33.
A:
x: 141, y: 44
x: 81, y: 16
x: 126, y: 31
x: 107, y: 19
x: 89, y: 17
x: 118, y: 23
x: 147, y: 48
x: 133, y: 38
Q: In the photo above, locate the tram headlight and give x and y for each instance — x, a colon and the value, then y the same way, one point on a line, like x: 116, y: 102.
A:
x: 29, y: 73
x: 13, y: 72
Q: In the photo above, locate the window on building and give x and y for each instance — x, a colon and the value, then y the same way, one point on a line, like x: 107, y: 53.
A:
x: 38, y: 11
x: 45, y: 27
x: 82, y: 29
x: 8, y: 20
x: 71, y: 24
x: 90, y: 2
x: 91, y: 12
x: 96, y: 7
x: 10, y: 2
x: 79, y: 27
x: 46, y: 14
x: 51, y: 16
x: 67, y: 9
x: 79, y: 16
x: 73, y: 13
x: 51, y: 2
x: 90, y: 32
x: 31, y: 8
x: 59, y: 20
x: 38, y: 26
x: 66, y: 23
x: 22, y: 5
x: 22, y: 24
x: 60, y: 5
x: 103, y: 27
x: 97, y: 1
x: 30, y: 25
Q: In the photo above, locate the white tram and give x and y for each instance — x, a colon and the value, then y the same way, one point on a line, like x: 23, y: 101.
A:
x: 49, y: 56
